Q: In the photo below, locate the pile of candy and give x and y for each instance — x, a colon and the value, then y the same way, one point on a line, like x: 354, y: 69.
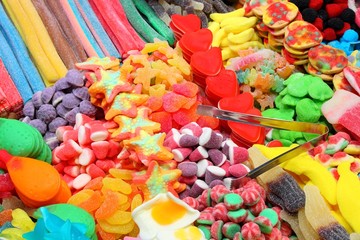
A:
x: 108, y: 141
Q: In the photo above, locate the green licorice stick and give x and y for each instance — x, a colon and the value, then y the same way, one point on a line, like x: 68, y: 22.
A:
x: 139, y: 24
x: 154, y: 20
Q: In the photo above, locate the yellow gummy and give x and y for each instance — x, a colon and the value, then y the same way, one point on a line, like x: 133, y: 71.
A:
x: 348, y: 195
x: 232, y: 20
x: 152, y: 47
x: 37, y: 40
x: 116, y: 185
x: 15, y: 233
x: 136, y: 201
x: 247, y: 45
x: 21, y: 220
x: 122, y: 173
x: 227, y: 53
x: 218, y: 37
x: 218, y: 17
x: 225, y: 42
x: 80, y: 196
x: 119, y: 217
x: 213, y: 27
x: 238, y: 27
x: 242, y: 37
x: 120, y: 229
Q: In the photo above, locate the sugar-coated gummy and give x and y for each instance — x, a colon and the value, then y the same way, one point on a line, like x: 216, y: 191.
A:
x: 62, y: 110
x: 57, y: 122
x: 39, y: 125
x: 75, y: 78
x: 87, y: 108
x: 81, y: 93
x: 70, y: 116
x: 36, y: 99
x: 70, y: 101
x: 46, y: 113
x: 47, y: 94
x: 57, y: 98
x: 29, y: 109
x: 62, y: 84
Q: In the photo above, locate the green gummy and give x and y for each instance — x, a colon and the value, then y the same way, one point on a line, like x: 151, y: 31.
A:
x: 236, y: 214
x: 307, y: 111
x: 293, y: 77
x: 275, y: 134
x: 1, y: 208
x: 309, y: 136
x: 289, y: 100
x: 285, y: 142
x: 271, y: 215
x: 2, y: 171
x: 284, y: 114
x: 290, y: 135
x: 278, y: 103
x: 298, y: 88
x: 206, y: 231
x: 204, y: 222
x: 319, y: 90
x: 300, y: 141
x: 283, y: 92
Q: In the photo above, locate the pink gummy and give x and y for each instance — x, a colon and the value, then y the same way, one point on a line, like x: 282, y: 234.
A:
x: 238, y: 170
x: 191, y: 128
x: 250, y: 230
x: 180, y: 154
x: 81, y: 180
x: 94, y: 171
x: 250, y: 196
x: 198, y: 154
x: 100, y: 149
x: 192, y: 202
x: 86, y: 157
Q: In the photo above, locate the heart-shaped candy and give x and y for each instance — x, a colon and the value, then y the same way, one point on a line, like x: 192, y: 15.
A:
x: 222, y: 85
x: 186, y: 23
x: 208, y: 62
x: 196, y: 41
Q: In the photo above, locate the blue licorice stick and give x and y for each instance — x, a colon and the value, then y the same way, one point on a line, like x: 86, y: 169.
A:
x: 139, y: 24
x: 98, y: 28
x: 12, y: 66
x: 20, y: 51
x: 154, y: 20
x: 85, y: 28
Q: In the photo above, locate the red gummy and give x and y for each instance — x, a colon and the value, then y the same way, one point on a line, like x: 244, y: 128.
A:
x: 208, y: 63
x: 185, y: 116
x: 228, y: 82
x: 187, y: 89
x: 186, y: 23
x: 6, y: 183
x: 164, y: 118
x: 199, y: 40
x: 172, y: 102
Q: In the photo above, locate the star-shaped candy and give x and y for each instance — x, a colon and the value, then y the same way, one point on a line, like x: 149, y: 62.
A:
x: 156, y: 180
x: 128, y: 126
x: 109, y: 85
x: 94, y: 63
x: 125, y: 104
x: 149, y: 147
x: 146, y: 76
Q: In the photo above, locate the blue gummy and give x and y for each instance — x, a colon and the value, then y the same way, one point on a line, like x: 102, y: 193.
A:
x: 38, y: 232
x: 12, y: 66
x: 20, y: 51
x: 100, y: 32
x: 85, y: 29
x: 350, y: 36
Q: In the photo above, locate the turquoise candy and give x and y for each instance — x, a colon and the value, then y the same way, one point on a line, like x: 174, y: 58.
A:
x: 78, y: 217
x: 307, y: 111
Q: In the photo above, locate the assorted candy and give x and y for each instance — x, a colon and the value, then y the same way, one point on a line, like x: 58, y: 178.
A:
x: 113, y: 146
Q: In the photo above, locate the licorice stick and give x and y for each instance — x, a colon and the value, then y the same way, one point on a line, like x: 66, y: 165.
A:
x: 26, y: 30
x: 154, y: 20
x: 117, y: 23
x: 88, y: 46
x: 13, y: 67
x: 44, y: 38
x: 107, y: 28
x: 74, y: 40
x: 96, y: 28
x: 139, y: 24
x: 20, y: 51
x: 61, y: 44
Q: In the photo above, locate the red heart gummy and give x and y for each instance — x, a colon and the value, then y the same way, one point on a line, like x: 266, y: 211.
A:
x: 222, y: 85
x: 196, y: 41
x: 187, y: 23
x: 207, y: 62
x: 240, y: 103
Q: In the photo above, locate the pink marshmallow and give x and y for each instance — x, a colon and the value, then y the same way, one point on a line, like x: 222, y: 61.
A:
x: 202, y: 166
x: 210, y: 139
x: 191, y: 128
x: 198, y: 154
x: 180, y: 154
x: 100, y: 149
x: 214, y: 172
x: 238, y: 170
x: 81, y: 180
x: 86, y: 157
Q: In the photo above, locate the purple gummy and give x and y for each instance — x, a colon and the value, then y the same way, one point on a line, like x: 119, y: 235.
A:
x: 47, y: 94
x: 226, y: 146
x: 39, y: 125
x: 61, y: 110
x: 46, y: 113
x: 197, y: 188
x: 184, y: 193
x: 188, y: 169
x: 187, y: 140
x: 210, y: 139
x: 75, y: 78
x: 25, y: 119
x: 216, y: 156
x: 214, y: 172
x: 51, y: 140
x: 87, y: 108
x: 216, y: 182
x: 82, y: 93
x: 29, y: 109
x: 202, y: 166
x: 57, y: 98
x: 57, y: 122
x: 36, y: 99
x: 71, y: 115
x: 70, y: 101
x: 62, y: 84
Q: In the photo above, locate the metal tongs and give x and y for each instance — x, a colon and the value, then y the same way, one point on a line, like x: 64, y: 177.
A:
x: 315, y: 128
